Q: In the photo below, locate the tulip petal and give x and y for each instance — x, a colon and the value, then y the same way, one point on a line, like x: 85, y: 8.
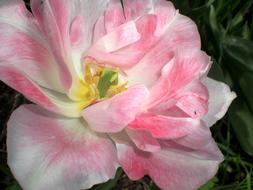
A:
x: 53, y: 101
x: 23, y: 46
x: 116, y: 113
x: 180, y: 35
x: 164, y: 127
x: 180, y: 75
x: 114, y: 15
x: 220, y: 97
x: 190, y: 101
x: 141, y: 42
x: 65, y: 24
x: 143, y: 140
x: 174, y: 167
x: 46, y: 151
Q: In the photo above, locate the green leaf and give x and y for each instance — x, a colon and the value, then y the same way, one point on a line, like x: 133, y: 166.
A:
x: 108, y: 78
x: 240, y: 50
x: 239, y: 17
x: 246, y: 82
x: 216, y: 72
x: 200, y: 11
x: 14, y: 186
x: 210, y: 184
x: 241, y: 119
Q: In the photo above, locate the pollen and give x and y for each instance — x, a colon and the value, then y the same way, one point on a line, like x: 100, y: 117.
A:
x: 104, y: 81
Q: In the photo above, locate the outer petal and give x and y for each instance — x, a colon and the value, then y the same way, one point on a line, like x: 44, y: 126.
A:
x: 173, y: 168
x: 147, y: 25
x: 220, y: 97
x: 23, y: 46
x: 46, y: 98
x: 114, y: 114
x: 189, y: 101
x: 68, y: 27
x: 180, y: 32
x: 143, y: 140
x: 164, y: 127
x: 46, y: 151
x: 187, y: 66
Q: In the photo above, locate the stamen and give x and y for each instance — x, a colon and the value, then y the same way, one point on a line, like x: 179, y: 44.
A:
x: 103, y: 81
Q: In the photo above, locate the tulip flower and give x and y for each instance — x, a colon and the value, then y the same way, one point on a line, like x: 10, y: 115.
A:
x: 113, y: 86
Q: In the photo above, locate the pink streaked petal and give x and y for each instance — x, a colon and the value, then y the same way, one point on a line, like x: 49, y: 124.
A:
x: 54, y: 21
x: 170, y: 168
x: 22, y: 84
x: 99, y: 29
x: 165, y: 127
x: 23, y: 46
x: 165, y: 12
x: 134, y: 9
x: 116, y: 113
x: 180, y: 32
x: 77, y: 31
x: 187, y: 66
x: 198, y: 137
x: 59, y: 20
x: 114, y: 15
x: 131, y: 54
x: 51, y: 100
x: 220, y: 97
x: 56, y: 152
x: 122, y: 36
x: 193, y: 100
x: 143, y: 140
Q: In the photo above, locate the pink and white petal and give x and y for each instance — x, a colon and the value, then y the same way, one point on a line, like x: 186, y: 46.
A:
x: 165, y: 127
x: 165, y: 12
x: 179, y: 74
x: 51, y: 100
x: 46, y: 151
x: 143, y: 140
x: 181, y: 32
x: 23, y: 46
x: 141, y: 42
x: 194, y: 101
x: 134, y: 9
x: 170, y: 168
x: 114, y: 15
x: 197, y: 137
x: 54, y: 18
x: 114, y: 114
x: 120, y: 37
x: 60, y: 20
x: 220, y: 97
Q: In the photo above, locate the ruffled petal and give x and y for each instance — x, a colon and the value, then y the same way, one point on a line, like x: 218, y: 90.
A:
x: 220, y: 97
x: 179, y: 75
x: 164, y: 127
x: 174, y: 167
x: 68, y: 27
x: 46, y: 151
x: 143, y: 139
x: 23, y: 46
x: 180, y: 34
x: 51, y: 100
x: 116, y: 113
x: 190, y: 101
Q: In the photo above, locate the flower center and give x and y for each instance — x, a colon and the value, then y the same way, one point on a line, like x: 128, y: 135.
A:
x: 105, y: 82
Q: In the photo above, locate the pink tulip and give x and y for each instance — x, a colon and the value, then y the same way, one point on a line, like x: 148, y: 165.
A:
x: 114, y: 88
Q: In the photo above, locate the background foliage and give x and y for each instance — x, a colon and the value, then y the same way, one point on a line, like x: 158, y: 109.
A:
x: 226, y: 28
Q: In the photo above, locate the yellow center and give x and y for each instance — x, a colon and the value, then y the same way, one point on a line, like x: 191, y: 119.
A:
x: 103, y: 81
x: 99, y: 83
